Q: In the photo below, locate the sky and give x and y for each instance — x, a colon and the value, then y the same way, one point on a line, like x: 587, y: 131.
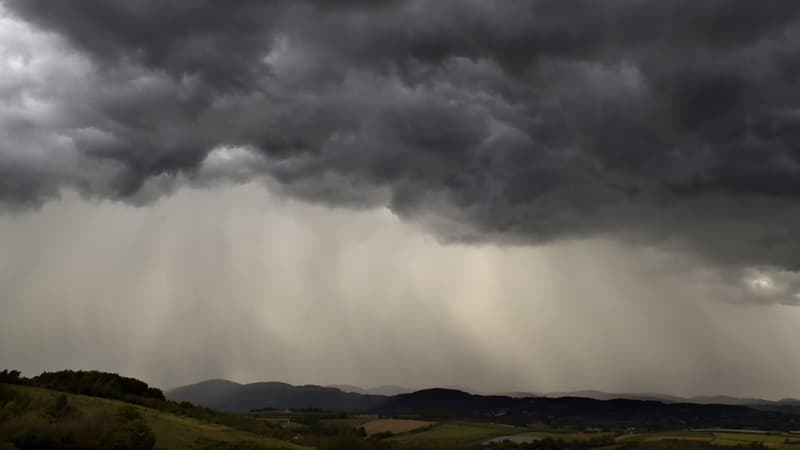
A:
x: 526, y: 195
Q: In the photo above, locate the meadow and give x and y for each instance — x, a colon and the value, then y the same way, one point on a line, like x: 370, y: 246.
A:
x: 30, y: 411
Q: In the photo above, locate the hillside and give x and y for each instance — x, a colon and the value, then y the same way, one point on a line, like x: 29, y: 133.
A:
x: 31, y: 409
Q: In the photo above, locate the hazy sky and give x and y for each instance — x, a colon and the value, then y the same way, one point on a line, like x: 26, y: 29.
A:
x: 506, y: 195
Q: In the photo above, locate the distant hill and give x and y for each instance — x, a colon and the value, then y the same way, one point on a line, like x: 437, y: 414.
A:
x: 652, y: 410
x: 207, y: 393
x: 447, y: 402
x: 726, y: 400
x: 700, y: 399
x: 380, y: 390
x: 600, y: 395
x: 234, y: 397
x: 586, y: 411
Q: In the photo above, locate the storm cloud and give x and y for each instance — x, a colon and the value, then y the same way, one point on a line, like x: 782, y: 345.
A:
x: 672, y: 124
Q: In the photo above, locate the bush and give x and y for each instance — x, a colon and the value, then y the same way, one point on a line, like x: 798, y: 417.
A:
x: 11, y: 377
x: 60, y: 407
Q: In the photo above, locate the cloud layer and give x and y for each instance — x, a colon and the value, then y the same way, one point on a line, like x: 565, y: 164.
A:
x: 664, y: 123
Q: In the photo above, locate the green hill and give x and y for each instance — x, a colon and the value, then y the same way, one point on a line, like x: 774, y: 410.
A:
x: 29, y: 413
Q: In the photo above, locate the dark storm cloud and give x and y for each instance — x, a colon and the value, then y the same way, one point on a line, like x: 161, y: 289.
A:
x: 515, y: 121
x: 215, y: 39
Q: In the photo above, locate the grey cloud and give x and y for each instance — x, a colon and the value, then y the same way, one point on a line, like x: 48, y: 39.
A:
x: 204, y: 37
x: 669, y: 123
x: 217, y: 40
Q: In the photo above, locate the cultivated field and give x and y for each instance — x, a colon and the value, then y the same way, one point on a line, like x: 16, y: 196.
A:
x: 464, y: 433
x: 472, y: 434
x: 771, y: 440
x: 395, y: 426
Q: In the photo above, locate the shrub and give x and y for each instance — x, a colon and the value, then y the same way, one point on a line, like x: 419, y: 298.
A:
x: 98, y: 384
x: 60, y: 407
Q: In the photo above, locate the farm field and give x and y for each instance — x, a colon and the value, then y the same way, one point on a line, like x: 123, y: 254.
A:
x: 718, y: 438
x: 473, y: 434
x: 395, y: 426
x: 457, y: 433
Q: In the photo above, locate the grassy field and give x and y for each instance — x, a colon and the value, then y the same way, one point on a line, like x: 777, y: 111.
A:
x: 474, y: 433
x: 564, y: 435
x: 395, y: 426
x: 461, y: 432
x: 772, y: 440
x: 172, y: 432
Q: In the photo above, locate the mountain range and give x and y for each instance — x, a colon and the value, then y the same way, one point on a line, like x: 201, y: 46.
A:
x: 582, y: 407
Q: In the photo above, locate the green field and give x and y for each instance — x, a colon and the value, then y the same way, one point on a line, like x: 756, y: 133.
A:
x: 472, y: 434
x: 172, y: 431
x: 462, y: 432
x: 720, y: 438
